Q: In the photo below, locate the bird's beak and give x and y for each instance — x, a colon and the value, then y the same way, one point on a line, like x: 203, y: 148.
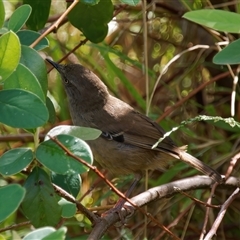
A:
x: 54, y: 64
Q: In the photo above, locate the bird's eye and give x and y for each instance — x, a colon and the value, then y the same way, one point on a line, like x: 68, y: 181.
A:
x: 66, y: 80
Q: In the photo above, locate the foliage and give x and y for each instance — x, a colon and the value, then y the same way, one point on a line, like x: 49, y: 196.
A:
x: 195, y: 100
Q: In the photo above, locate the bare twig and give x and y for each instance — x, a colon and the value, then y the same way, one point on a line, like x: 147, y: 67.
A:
x: 207, y: 211
x: 163, y: 191
x: 91, y: 216
x: 221, y: 214
x: 176, y: 220
x: 232, y: 165
x: 197, y: 200
x: 70, y: 52
x: 164, y: 70
x: 23, y: 137
x: 55, y: 25
x: 191, y: 94
x: 14, y: 226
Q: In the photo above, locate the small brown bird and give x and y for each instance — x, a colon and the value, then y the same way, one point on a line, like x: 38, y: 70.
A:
x: 125, y: 145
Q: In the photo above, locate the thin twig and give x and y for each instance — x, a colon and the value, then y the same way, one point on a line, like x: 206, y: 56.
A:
x: 56, y: 24
x: 191, y: 94
x: 70, y: 52
x: 91, y: 216
x: 221, y: 214
x: 176, y: 220
x: 164, y: 70
x: 233, y: 95
x: 145, y: 72
x: 14, y: 226
x: 232, y: 165
x: 23, y: 137
x: 197, y: 200
x: 207, y: 211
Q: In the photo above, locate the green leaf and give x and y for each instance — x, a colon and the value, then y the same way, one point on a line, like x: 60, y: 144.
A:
x: 24, y: 79
x: 54, y: 157
x: 10, y: 52
x: 40, y: 13
x: 90, y: 2
x: 11, y: 197
x: 51, y: 110
x: 19, y: 17
x: 229, y: 55
x: 15, y: 160
x: 68, y: 208
x: 131, y: 2
x: 33, y: 61
x: 47, y: 233
x: 70, y: 182
x: 216, y: 19
x: 39, y: 233
x: 22, y: 109
x: 59, y: 234
x: 83, y: 133
x: 40, y: 204
x: 27, y: 37
x: 92, y: 20
x: 2, y: 13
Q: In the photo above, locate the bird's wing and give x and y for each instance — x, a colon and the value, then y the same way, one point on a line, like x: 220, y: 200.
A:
x: 138, y: 130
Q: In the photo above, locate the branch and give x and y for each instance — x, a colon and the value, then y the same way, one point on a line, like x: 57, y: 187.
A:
x: 221, y: 214
x: 56, y: 24
x: 156, y: 193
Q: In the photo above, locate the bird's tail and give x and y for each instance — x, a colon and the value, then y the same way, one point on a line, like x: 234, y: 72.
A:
x: 200, y: 166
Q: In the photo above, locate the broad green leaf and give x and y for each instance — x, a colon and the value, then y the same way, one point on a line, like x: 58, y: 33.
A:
x: 40, y: 204
x: 3, y: 30
x: 27, y: 37
x: 11, y: 197
x: 33, y: 61
x: 24, y: 79
x: 68, y: 208
x: 90, y: 2
x: 131, y: 2
x: 229, y: 55
x: 2, y: 13
x: 216, y: 19
x: 15, y: 160
x: 39, y: 15
x: 92, y: 20
x: 10, y: 52
x: 53, y: 156
x: 51, y: 110
x: 59, y: 234
x: 71, y: 182
x: 22, y: 109
x: 19, y: 17
x: 47, y: 233
x: 83, y: 133
x: 39, y: 233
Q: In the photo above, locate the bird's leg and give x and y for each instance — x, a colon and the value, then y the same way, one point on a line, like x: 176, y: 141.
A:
x: 120, y: 203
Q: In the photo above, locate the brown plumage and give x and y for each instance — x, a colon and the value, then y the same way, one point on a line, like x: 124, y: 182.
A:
x: 125, y: 145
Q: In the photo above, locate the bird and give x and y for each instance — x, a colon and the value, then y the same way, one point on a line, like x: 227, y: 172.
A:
x: 125, y: 144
